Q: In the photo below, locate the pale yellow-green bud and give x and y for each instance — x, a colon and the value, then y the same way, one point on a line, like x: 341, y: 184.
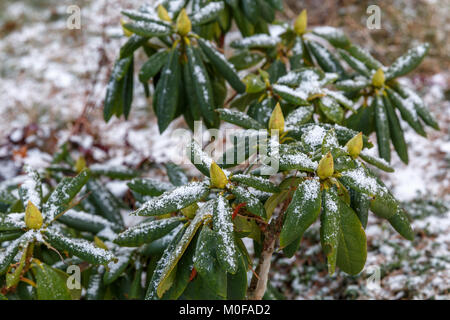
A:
x: 183, y: 23
x: 99, y: 243
x: 276, y: 121
x: 355, y: 145
x: 163, y: 14
x: 378, y: 78
x: 218, y: 177
x: 301, y: 23
x: 126, y: 32
x: 326, y: 166
x: 80, y: 164
x: 189, y: 211
x: 33, y: 217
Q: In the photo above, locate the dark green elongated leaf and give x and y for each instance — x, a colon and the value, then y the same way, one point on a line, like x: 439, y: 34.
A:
x: 299, y: 116
x: 161, y: 279
x: 96, y: 289
x: 243, y: 101
x: 329, y: 227
x: 149, y: 187
x: 239, y: 118
x: 153, y: 65
x: 251, y: 10
x: 116, y: 268
x: 12, y: 222
x: 421, y: 109
x: 237, y: 283
x: 267, y: 12
x: 147, y: 232
x: 168, y: 90
x: 65, y: 191
x: 49, y: 284
x: 252, y: 203
x: 193, y: 110
x: 256, y: 41
x: 407, y: 110
x: 105, y: 202
x: 133, y: 43
x: 245, y: 59
x: 244, y: 26
x: 407, y: 62
x: 399, y: 221
x: 176, y: 175
x: 361, y: 180
x: 207, y: 13
x: 352, y: 248
x: 356, y: 64
x: 255, y: 182
x: 206, y: 263
x: 377, y: 162
x: 301, y: 212
x: 9, y: 235
x: 174, y: 200
x: 294, y: 96
x: 113, y: 100
x: 7, y: 256
x: 198, y: 158
x: 363, y: 120
x: 382, y: 128
x: 222, y: 65
x: 116, y: 172
x: 292, y: 248
x: 84, y: 221
x: 326, y: 60
x: 31, y: 189
x: 157, y: 247
x: 147, y: 29
x: 297, y: 161
x: 276, y: 70
x: 331, y: 109
x: 223, y: 226
x: 144, y: 16
x: 365, y: 57
x: 202, y: 86
x: 396, y: 131
x: 78, y: 247
x: 127, y: 91
x: 352, y: 85
x: 384, y: 205
x: 360, y: 203
x: 333, y: 35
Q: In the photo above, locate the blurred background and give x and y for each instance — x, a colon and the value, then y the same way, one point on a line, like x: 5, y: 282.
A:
x: 52, y: 86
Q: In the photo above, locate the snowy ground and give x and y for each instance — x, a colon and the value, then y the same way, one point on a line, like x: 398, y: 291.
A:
x: 49, y: 75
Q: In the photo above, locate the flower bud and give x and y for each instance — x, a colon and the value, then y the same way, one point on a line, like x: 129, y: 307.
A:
x: 183, y: 23
x: 326, y: 166
x: 301, y: 22
x: 355, y: 145
x: 80, y: 164
x: 33, y: 217
x: 126, y: 32
x: 378, y: 78
x: 218, y: 177
x: 189, y: 211
x: 276, y: 121
x: 163, y: 14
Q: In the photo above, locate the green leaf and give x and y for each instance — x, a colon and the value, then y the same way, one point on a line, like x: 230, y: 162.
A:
x: 133, y: 43
x: 176, y: 174
x: 116, y: 268
x: 396, y: 131
x: 168, y: 89
x: 149, y: 187
x: 377, y: 162
x: 49, y: 284
x: 239, y: 118
x: 326, y: 60
x: 333, y: 35
x: 222, y: 65
x: 360, y: 203
x: 246, y: 59
x: 65, y: 191
x: 296, y: 161
x: 237, y: 283
x: 352, y: 248
x: 276, y: 70
x: 206, y: 263
x: 407, y: 62
x: 202, y: 86
x: 331, y: 109
x: 253, y: 205
x: 400, y: 222
x: 174, y: 200
x: 161, y: 279
x: 147, y: 232
x: 256, y: 41
x: 84, y: 221
x: 329, y: 227
x: 299, y: 116
x: 31, y: 189
x: 78, y: 247
x: 363, y: 120
x: 115, y: 172
x: 147, y: 29
x: 294, y: 96
x: 198, y: 158
x: 356, y: 64
x: 95, y: 288
x: 207, y: 13
x: 105, y: 202
x: 301, y: 212
x: 251, y: 10
x: 223, y: 227
x: 365, y: 57
x: 256, y: 182
x: 153, y: 65
x: 128, y: 88
x: 382, y: 128
x: 7, y: 256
